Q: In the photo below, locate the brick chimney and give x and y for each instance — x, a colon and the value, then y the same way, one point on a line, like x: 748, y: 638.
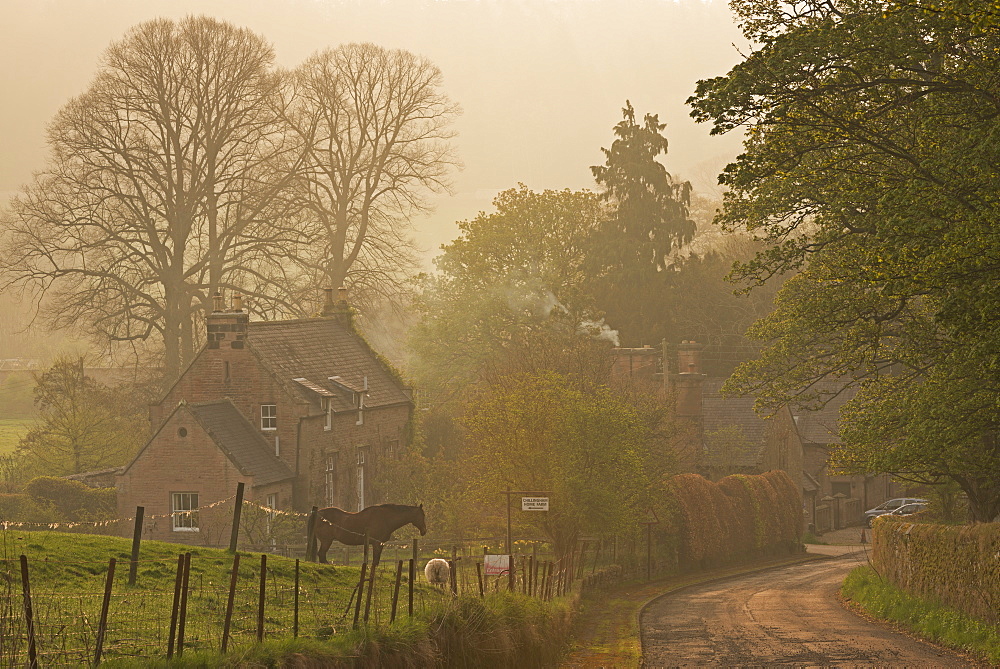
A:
x: 227, y: 329
x: 689, y: 379
x: 339, y: 309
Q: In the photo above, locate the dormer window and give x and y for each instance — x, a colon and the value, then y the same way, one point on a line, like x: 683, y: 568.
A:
x: 268, y: 417
x: 359, y: 401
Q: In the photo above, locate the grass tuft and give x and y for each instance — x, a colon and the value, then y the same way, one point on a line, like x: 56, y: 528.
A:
x: 924, y: 617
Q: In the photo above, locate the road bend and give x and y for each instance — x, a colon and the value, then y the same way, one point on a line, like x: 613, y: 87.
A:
x: 785, y: 616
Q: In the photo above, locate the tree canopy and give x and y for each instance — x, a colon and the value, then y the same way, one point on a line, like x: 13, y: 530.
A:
x: 83, y: 425
x: 192, y: 166
x: 647, y: 220
x: 543, y: 432
x: 870, y: 171
x: 510, y: 275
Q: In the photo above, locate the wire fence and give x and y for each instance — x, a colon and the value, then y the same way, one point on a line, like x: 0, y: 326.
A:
x: 66, y: 612
x: 221, y: 603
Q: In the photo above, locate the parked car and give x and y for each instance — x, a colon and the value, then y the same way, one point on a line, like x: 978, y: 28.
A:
x: 889, y: 506
x: 909, y: 509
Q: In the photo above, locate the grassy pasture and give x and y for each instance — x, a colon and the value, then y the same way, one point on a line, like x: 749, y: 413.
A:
x: 67, y: 574
x: 11, y: 431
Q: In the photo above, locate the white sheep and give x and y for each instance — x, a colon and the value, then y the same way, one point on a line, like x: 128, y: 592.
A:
x: 438, y: 573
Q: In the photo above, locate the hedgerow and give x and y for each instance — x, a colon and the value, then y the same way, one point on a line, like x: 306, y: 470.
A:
x: 737, y: 518
x: 956, y: 565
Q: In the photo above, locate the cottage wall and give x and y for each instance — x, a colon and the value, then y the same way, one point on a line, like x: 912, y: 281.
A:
x: 336, y: 451
x: 173, y: 463
x: 249, y: 385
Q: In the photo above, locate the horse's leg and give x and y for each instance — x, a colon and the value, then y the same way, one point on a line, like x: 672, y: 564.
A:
x: 376, y: 554
x: 324, y: 546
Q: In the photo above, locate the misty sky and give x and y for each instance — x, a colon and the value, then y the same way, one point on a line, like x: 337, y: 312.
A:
x: 540, y: 82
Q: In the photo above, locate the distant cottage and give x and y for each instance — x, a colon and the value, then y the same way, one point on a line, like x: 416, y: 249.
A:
x: 300, y: 411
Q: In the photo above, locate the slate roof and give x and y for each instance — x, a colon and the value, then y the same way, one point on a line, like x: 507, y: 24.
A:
x: 821, y: 426
x: 720, y: 412
x: 239, y: 440
x: 306, y: 353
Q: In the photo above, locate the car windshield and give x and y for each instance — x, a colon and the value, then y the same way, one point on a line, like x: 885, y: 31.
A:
x: 890, y: 505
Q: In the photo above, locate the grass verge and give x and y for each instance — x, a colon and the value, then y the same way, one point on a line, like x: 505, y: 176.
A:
x: 866, y: 591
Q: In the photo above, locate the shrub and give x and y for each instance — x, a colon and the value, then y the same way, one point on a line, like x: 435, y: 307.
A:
x: 18, y: 507
x: 73, y: 500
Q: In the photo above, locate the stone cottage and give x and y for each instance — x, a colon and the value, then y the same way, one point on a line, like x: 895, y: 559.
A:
x: 301, y: 411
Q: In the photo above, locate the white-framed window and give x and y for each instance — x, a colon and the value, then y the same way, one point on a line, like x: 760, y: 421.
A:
x: 328, y: 408
x: 360, y: 402
x: 183, y: 509
x: 268, y: 417
x: 392, y: 449
x: 330, y: 481
x: 360, y: 490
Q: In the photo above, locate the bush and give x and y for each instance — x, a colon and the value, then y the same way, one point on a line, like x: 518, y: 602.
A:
x: 22, y: 508
x: 72, y: 500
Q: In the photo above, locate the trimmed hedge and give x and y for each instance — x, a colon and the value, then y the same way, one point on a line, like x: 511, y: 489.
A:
x: 739, y: 517
x: 18, y: 507
x: 73, y: 500
x: 958, y: 566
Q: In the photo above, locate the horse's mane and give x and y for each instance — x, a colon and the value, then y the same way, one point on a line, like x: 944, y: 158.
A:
x: 395, y: 507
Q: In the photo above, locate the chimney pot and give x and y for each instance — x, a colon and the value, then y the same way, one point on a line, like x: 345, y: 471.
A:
x: 217, y: 303
x: 237, y: 302
x: 342, y: 294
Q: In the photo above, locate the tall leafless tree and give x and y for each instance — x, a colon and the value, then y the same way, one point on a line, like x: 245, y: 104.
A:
x: 373, y: 127
x: 161, y: 189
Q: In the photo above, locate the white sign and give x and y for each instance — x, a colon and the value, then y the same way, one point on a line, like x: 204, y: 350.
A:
x: 496, y: 565
x: 534, y: 504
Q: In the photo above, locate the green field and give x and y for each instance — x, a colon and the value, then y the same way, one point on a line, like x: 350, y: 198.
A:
x: 11, y: 431
x: 68, y: 574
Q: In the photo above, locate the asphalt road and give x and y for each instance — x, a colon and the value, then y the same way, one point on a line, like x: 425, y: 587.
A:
x: 785, y: 616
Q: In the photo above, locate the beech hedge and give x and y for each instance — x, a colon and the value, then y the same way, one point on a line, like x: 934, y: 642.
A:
x: 738, y: 518
x: 956, y: 565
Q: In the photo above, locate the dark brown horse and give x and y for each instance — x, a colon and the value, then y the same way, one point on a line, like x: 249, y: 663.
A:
x: 376, y: 523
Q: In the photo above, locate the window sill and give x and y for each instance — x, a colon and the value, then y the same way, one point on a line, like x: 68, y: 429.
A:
x: 187, y: 529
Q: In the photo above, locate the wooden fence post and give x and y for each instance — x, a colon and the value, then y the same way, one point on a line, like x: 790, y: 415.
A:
x: 29, y: 618
x: 295, y: 615
x: 229, y: 605
x: 371, y: 589
x: 136, y: 538
x: 395, y: 591
x: 182, y: 618
x: 310, y: 535
x: 410, y: 583
x: 102, y: 625
x: 260, y: 601
x: 237, y: 511
x: 178, y: 580
x: 479, y: 576
x: 361, y: 590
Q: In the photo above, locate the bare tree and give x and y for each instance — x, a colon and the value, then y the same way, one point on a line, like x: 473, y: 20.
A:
x: 162, y: 189
x: 373, y: 128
